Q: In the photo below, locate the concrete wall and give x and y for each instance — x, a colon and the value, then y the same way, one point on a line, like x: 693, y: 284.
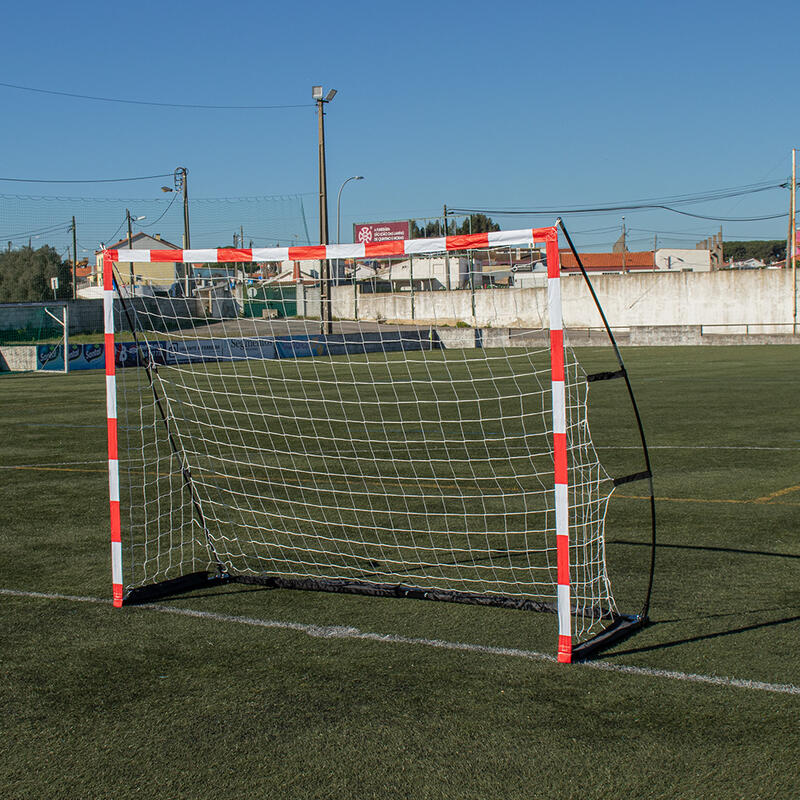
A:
x: 757, y: 298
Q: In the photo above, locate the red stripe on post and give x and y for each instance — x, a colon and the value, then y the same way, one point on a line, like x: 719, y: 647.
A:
x: 113, y: 446
x: 562, y: 560
x: 396, y: 247
x: 117, y: 595
x: 564, y: 650
x: 116, y: 525
x: 560, y: 457
x: 234, y: 254
x: 556, y: 355
x: 109, y: 354
x: 466, y: 241
x: 553, y: 258
x: 159, y: 256
x: 312, y: 253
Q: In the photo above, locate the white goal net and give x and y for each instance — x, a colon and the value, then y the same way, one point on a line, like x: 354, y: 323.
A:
x: 378, y: 434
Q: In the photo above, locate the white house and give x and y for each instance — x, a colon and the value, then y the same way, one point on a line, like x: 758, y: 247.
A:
x: 675, y: 260
x: 428, y: 273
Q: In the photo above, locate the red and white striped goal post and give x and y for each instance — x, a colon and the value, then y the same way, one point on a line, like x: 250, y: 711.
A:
x: 407, y: 247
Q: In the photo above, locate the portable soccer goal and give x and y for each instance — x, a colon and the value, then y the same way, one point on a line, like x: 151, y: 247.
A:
x: 392, y: 423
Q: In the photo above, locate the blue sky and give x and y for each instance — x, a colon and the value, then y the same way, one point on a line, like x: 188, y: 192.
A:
x: 474, y: 105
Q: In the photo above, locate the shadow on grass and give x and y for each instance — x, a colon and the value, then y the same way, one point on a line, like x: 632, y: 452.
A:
x: 704, y: 637
x: 202, y: 594
x: 660, y: 546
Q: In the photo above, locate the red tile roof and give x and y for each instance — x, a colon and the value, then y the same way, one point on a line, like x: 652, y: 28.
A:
x: 597, y: 262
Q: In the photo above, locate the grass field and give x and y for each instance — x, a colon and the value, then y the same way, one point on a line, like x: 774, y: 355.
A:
x: 253, y: 692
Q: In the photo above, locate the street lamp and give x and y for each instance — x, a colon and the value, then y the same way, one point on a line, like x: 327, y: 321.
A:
x: 339, y: 239
x: 131, y: 219
x: 181, y: 184
x: 325, y: 288
x: 339, y: 206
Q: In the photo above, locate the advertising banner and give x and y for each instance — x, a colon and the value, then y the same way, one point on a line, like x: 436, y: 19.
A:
x: 131, y: 354
x: 81, y: 356
x: 368, y: 232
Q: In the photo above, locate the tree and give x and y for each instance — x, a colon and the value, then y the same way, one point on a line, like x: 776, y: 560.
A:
x: 474, y: 223
x: 767, y: 251
x: 25, y: 275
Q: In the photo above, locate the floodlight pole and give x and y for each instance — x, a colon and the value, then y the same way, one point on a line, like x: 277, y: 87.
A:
x: 325, y: 272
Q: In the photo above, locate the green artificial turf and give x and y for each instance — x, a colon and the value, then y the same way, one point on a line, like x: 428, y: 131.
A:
x: 98, y: 702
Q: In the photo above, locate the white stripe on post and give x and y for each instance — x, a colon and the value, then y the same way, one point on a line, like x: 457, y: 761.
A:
x: 113, y: 479
x: 564, y: 619
x: 201, y: 256
x: 270, y: 254
x: 347, y: 251
x: 559, y: 407
x: 510, y: 237
x: 116, y: 562
x: 414, y: 246
x: 562, y: 529
x: 138, y: 256
x: 554, y: 303
x: 111, y: 397
x: 108, y: 311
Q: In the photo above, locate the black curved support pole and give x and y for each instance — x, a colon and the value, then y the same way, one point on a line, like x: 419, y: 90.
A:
x: 646, y: 607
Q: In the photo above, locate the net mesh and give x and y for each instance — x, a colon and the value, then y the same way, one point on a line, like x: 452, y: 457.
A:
x: 410, y: 446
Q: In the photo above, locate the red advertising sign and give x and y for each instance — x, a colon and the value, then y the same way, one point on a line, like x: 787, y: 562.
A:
x: 367, y: 232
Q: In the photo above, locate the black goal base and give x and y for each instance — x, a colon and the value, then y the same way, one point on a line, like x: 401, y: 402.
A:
x: 186, y: 583
x: 205, y: 580
x: 621, y: 628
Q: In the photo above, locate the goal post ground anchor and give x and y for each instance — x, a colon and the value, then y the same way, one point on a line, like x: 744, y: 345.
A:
x: 185, y: 583
x: 621, y: 628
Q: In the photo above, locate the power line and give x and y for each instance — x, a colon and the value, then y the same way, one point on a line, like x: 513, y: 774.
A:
x: 150, y: 102
x: 195, y: 200
x: 663, y: 203
x: 37, y: 232
x: 87, y: 180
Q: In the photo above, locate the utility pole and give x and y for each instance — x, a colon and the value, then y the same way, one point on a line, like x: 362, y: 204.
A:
x: 187, y: 242
x: 130, y: 237
x: 74, y: 261
x: 181, y: 182
x: 624, y: 245
x: 446, y: 256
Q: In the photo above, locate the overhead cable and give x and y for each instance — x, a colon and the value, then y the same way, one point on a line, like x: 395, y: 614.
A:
x: 88, y: 180
x: 151, y: 102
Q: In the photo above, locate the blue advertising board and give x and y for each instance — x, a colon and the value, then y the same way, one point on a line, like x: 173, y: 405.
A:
x: 133, y: 354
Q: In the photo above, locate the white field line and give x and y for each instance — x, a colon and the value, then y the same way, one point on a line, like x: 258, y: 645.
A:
x: 47, y: 464
x: 341, y: 632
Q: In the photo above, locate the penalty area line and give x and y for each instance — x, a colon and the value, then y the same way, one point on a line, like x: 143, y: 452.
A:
x: 344, y: 632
